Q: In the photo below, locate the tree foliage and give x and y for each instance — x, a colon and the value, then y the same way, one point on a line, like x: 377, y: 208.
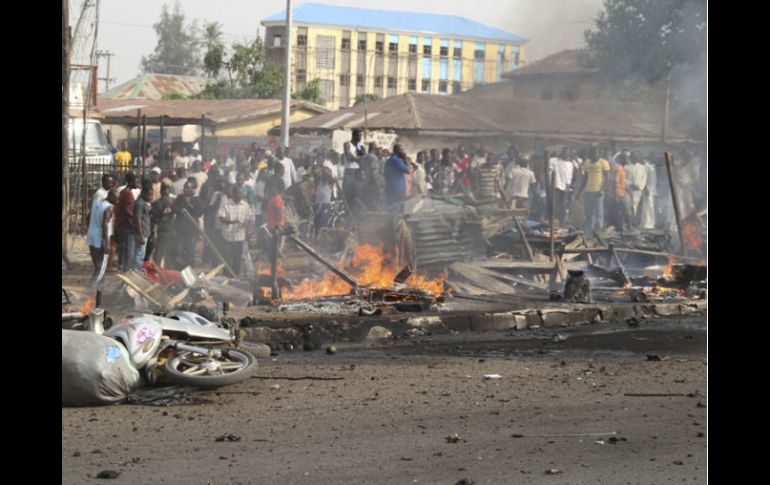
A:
x: 312, y: 92
x: 368, y: 97
x: 249, y: 74
x: 177, y: 50
x: 213, y: 59
x: 647, y: 39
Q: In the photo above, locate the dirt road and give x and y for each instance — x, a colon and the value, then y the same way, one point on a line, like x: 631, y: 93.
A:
x: 420, y: 411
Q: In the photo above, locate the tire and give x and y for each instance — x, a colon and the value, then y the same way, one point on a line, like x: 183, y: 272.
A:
x: 260, y: 351
x: 177, y: 369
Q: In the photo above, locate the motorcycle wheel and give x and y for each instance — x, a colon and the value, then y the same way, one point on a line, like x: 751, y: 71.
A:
x: 194, y: 369
x: 260, y: 351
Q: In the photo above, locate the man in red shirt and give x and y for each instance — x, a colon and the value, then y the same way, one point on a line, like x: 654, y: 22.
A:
x: 276, y: 218
x: 463, y: 170
x: 124, y: 214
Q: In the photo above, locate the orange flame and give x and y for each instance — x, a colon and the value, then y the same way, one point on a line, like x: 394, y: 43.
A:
x: 370, y: 266
x: 668, y: 269
x: 87, y: 306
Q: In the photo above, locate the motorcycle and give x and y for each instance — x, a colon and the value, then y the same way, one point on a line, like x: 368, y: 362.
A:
x: 181, y: 347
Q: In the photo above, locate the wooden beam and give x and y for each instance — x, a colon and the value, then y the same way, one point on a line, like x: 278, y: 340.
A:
x: 208, y: 241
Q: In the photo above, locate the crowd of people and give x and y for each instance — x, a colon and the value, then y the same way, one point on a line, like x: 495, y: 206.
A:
x: 161, y: 216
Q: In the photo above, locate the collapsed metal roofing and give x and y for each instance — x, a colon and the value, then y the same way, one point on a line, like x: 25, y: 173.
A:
x: 572, y: 61
x: 155, y: 86
x: 180, y: 112
x: 421, y: 113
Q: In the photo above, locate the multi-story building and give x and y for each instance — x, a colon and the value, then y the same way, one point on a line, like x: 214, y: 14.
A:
x: 356, y: 51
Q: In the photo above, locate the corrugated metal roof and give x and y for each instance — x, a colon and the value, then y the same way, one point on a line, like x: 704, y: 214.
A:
x: 420, y: 112
x: 389, y: 20
x: 574, y: 61
x: 155, y: 86
x: 219, y: 111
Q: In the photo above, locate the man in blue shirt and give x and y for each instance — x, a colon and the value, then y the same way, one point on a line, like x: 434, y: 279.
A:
x: 396, y: 169
x: 99, y: 232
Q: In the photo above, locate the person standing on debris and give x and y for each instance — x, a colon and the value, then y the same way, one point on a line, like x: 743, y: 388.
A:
x: 649, y: 192
x: 143, y: 224
x: 396, y: 170
x: 618, y: 204
x: 462, y: 166
x: 444, y: 177
x: 99, y: 232
x: 275, y: 220
x: 595, y: 170
x: 518, y: 180
x: 636, y: 180
x: 564, y: 169
x: 123, y: 157
x: 186, y: 230
x: 163, y: 226
x: 419, y: 183
x: 234, y: 214
x: 124, y: 214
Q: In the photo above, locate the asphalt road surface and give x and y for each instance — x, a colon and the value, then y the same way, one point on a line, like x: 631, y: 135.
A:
x: 600, y: 404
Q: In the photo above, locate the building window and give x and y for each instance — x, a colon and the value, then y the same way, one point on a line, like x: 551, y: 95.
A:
x: 500, y: 61
x: 456, y: 88
x: 378, y: 82
x: 443, y: 69
x: 426, y: 49
x: 344, y: 79
x: 391, y: 83
x: 345, y: 46
x: 379, y: 46
x: 360, y: 80
x: 413, y: 48
x: 393, y: 47
x: 277, y: 38
x: 325, y: 50
x: 478, y: 65
x: 301, y: 76
x: 362, y: 42
x: 426, y: 85
x: 457, y: 69
x: 457, y: 52
x: 327, y: 90
x: 442, y: 87
x: 444, y: 49
x: 302, y: 40
x: 426, y: 65
x: 570, y: 94
x: 413, y: 85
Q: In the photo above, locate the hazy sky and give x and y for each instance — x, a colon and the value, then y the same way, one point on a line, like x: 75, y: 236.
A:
x: 125, y: 26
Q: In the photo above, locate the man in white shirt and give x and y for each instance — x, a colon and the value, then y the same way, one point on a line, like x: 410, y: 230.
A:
x: 235, y: 215
x: 289, y: 171
x: 518, y: 179
x: 564, y: 169
x: 648, y: 195
x: 636, y: 180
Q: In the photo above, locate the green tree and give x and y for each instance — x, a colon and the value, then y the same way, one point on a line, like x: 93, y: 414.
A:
x: 368, y: 97
x: 312, y: 92
x: 177, y: 49
x: 647, y: 39
x: 249, y: 75
x: 174, y: 95
x: 213, y: 59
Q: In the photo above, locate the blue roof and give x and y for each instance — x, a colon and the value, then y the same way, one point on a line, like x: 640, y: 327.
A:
x: 389, y: 20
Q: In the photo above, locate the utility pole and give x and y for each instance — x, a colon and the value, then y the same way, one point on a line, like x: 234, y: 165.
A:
x: 65, y: 82
x: 107, y: 79
x: 286, y: 108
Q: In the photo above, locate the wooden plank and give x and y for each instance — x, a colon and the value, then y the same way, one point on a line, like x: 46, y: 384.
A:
x: 626, y: 279
x: 479, y: 279
x: 210, y: 244
x: 175, y: 300
x: 513, y: 279
x: 136, y: 287
x: 523, y: 235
